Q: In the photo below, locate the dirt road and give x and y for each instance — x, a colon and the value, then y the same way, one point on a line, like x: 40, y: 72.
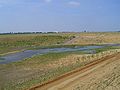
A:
x: 72, y: 40
x: 103, y: 74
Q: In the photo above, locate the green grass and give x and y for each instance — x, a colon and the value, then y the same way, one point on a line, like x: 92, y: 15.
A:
x: 23, y: 74
x: 46, y: 58
x: 106, y: 48
x: 10, y: 43
x: 39, y: 68
x: 18, y: 42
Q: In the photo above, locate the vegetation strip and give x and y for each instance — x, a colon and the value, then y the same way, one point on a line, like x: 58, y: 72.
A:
x: 75, y: 71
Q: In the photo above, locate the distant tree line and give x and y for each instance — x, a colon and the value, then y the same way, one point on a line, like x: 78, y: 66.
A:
x: 26, y: 33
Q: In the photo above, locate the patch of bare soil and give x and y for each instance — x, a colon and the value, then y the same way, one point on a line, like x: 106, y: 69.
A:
x: 104, y: 75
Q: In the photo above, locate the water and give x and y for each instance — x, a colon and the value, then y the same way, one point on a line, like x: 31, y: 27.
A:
x: 29, y: 53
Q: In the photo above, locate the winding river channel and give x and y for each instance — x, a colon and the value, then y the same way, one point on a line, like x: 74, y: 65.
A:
x: 29, y: 53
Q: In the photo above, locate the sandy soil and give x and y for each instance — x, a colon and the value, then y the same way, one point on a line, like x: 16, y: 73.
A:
x: 94, y: 38
x: 103, y: 75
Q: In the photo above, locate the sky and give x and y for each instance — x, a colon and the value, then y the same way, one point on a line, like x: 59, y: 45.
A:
x: 59, y: 15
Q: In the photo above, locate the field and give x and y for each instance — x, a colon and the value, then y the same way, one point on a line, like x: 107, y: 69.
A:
x: 95, y: 38
x: 10, y: 43
x: 41, y: 69
x: 104, y: 75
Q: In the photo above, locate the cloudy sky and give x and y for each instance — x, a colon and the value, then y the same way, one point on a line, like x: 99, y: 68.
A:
x: 59, y: 15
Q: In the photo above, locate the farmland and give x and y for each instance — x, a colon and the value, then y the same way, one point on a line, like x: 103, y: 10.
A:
x: 40, y: 69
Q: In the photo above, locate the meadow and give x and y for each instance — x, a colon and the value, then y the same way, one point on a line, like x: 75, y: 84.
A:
x: 42, y: 68
x: 11, y: 43
x: 95, y: 38
x: 17, y: 42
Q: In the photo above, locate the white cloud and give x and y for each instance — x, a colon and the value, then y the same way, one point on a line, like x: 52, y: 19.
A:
x: 74, y: 3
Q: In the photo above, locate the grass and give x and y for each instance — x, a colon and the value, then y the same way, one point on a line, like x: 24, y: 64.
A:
x: 98, y: 50
x: 30, y: 71
x: 10, y: 43
x: 41, y: 68
x: 96, y: 38
x: 17, y: 42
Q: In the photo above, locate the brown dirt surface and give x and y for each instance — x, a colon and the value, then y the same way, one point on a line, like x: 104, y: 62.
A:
x: 102, y: 74
x: 94, y: 38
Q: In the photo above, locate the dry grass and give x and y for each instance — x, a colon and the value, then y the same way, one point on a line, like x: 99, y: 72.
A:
x: 21, y: 75
x: 95, y: 38
x: 38, y: 69
x: 9, y: 43
x: 104, y: 78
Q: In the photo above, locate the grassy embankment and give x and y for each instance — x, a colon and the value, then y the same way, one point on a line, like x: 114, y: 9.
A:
x: 39, y: 69
x: 16, y: 43
x: 42, y: 68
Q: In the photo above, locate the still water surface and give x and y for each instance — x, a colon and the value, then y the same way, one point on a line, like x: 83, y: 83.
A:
x: 29, y: 53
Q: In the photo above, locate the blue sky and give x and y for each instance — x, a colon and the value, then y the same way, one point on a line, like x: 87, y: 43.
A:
x: 59, y: 15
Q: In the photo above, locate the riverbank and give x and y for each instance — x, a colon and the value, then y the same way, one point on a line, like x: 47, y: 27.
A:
x: 97, y: 75
x: 39, y: 69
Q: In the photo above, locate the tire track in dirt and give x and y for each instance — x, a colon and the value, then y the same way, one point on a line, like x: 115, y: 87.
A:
x: 50, y: 83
